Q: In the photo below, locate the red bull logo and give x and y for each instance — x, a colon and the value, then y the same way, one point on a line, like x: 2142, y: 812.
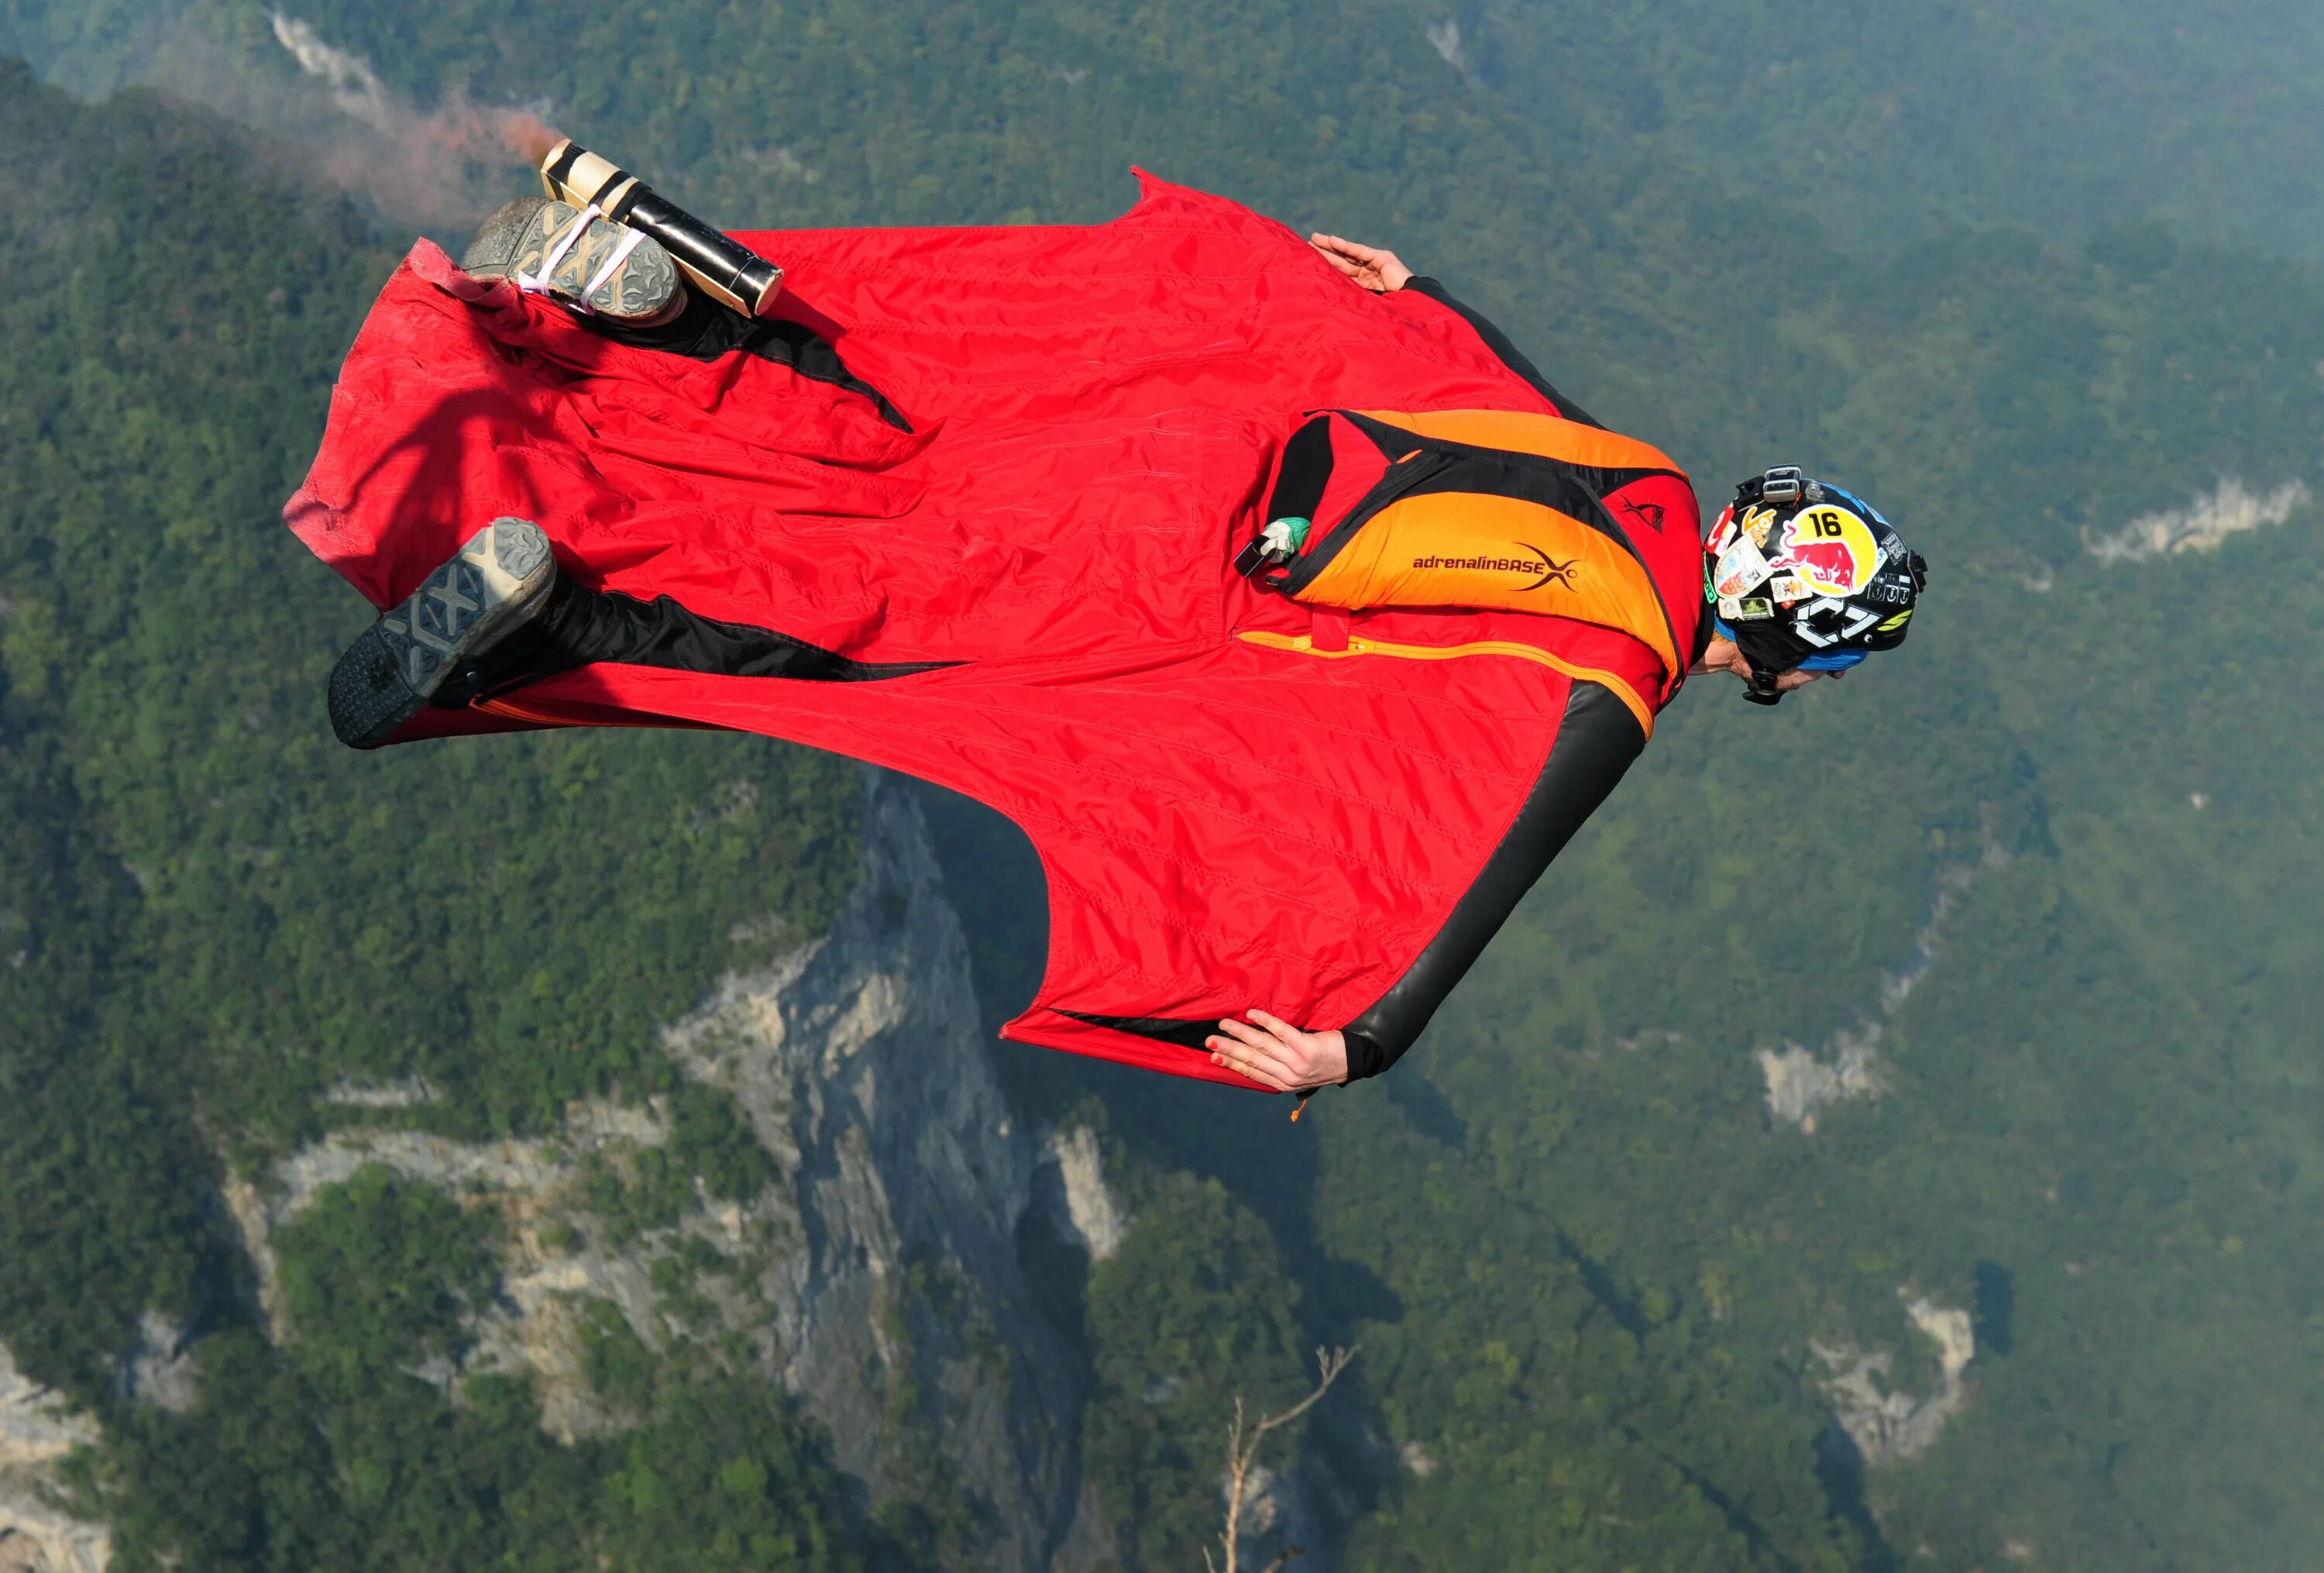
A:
x: 1829, y: 565
x: 1831, y: 548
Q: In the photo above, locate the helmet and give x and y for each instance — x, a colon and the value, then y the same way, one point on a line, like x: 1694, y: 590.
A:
x: 1803, y: 576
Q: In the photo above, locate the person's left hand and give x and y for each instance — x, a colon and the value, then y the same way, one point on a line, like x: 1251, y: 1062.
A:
x: 1276, y: 1054
x: 1378, y: 270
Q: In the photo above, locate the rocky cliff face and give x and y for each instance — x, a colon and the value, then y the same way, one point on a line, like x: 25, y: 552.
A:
x: 1801, y: 1084
x: 877, y: 1279
x: 37, y: 1534
x: 1888, y: 1423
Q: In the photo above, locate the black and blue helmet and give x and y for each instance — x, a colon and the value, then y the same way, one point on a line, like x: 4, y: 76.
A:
x: 1805, y: 577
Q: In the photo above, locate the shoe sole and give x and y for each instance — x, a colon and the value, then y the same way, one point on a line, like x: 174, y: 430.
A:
x: 388, y: 675
x: 642, y: 290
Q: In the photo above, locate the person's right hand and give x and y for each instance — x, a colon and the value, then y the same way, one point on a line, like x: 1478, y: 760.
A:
x: 1376, y: 270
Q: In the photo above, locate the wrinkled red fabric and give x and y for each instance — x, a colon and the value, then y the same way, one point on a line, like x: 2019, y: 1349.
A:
x: 1094, y: 411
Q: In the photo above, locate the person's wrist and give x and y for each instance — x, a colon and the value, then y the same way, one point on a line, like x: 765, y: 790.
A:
x: 1335, y: 1057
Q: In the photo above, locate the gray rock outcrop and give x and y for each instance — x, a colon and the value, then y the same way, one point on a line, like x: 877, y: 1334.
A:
x: 37, y: 1533
x: 1889, y: 1424
x: 876, y: 1280
x: 1802, y: 1084
x: 860, y: 1065
x: 1080, y: 1205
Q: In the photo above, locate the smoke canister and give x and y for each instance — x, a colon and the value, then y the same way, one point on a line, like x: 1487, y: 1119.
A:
x: 731, y: 271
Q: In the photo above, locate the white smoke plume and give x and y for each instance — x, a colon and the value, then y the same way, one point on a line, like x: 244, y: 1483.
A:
x: 451, y: 163
x: 2201, y: 524
x: 356, y: 88
x: 336, y: 122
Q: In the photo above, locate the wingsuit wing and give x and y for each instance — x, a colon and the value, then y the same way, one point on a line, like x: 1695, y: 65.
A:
x: 1235, y: 803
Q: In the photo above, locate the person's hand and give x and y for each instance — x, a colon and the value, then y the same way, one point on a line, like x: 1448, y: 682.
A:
x: 1274, y: 1053
x: 1376, y: 270
x: 1721, y: 656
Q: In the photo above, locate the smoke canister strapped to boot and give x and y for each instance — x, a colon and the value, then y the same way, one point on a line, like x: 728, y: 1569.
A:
x: 1485, y: 509
x: 728, y: 270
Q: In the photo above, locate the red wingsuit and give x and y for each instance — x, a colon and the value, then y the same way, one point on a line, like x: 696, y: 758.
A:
x: 1236, y: 802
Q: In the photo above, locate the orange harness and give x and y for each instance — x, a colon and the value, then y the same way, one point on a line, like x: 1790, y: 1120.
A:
x: 1476, y: 508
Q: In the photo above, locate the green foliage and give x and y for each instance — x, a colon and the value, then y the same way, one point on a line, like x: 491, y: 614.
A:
x: 2057, y: 113
x: 209, y: 914
x: 208, y: 904
x: 341, y: 1456
x: 378, y: 1275
x: 1195, y: 1311
x: 711, y: 1149
x: 710, y: 1138
x: 717, y: 1475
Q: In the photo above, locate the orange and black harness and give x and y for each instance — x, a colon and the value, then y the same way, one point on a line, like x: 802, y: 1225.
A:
x: 1475, y: 508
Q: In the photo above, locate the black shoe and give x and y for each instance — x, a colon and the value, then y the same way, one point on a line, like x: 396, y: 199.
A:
x: 497, y: 584
x: 592, y: 265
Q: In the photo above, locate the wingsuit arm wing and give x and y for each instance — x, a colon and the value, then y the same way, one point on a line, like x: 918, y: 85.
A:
x: 1500, y: 345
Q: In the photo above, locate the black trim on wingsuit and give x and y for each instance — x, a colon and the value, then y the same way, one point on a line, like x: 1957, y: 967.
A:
x: 1187, y: 1034
x: 1306, y: 471
x: 703, y: 331
x: 1596, y: 742
x: 582, y: 627
x: 1499, y: 343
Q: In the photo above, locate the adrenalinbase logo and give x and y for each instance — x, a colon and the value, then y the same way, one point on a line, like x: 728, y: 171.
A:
x: 1545, y: 568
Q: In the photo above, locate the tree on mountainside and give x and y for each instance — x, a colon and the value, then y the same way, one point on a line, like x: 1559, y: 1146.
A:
x: 1242, y: 1462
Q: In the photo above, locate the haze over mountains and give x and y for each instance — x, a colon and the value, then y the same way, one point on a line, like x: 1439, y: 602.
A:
x: 1894, y: 1126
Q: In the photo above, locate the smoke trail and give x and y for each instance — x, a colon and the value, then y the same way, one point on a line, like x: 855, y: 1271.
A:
x: 450, y: 164
x: 356, y: 88
x: 337, y: 122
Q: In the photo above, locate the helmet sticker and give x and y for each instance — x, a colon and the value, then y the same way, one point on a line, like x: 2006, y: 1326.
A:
x: 1789, y: 588
x: 1831, y: 549
x: 1741, y: 567
x: 1755, y: 523
x: 1745, y: 608
x: 1896, y: 621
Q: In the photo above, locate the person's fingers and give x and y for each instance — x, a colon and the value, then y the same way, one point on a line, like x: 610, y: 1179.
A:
x: 1339, y: 262
x: 1299, y: 1049
x: 1251, y: 1044
x: 1271, y: 1082
x: 1254, y: 1041
x: 1367, y: 257
x: 1248, y: 1062
x: 1300, y: 1055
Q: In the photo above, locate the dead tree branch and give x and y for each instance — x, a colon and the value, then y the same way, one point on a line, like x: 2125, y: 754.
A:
x: 1242, y: 1457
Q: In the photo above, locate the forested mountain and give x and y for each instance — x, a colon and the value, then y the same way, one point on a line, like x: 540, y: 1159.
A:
x: 1890, y: 122
x: 1958, y: 1016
